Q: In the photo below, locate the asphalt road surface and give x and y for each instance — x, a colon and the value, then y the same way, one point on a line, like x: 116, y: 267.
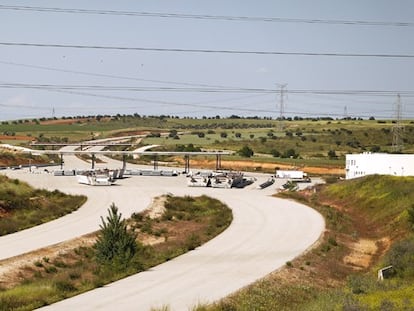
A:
x: 265, y: 234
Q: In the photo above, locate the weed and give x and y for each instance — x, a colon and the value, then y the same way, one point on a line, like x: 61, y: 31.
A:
x: 50, y: 269
x: 59, y: 264
x: 332, y: 241
x: 193, y: 241
x: 38, y: 264
x: 74, y: 275
x: 65, y: 286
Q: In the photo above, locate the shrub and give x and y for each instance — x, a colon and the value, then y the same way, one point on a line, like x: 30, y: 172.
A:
x: 192, y: 242
x: 401, y: 258
x: 275, y: 153
x: 290, y: 153
x: 246, y: 151
x: 65, y: 286
x: 332, y: 154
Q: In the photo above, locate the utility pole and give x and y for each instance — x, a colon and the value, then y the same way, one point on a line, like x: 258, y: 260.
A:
x: 281, y: 106
x: 398, y: 128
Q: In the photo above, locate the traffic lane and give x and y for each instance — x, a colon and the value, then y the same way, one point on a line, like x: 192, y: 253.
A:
x: 129, y: 198
x: 265, y: 234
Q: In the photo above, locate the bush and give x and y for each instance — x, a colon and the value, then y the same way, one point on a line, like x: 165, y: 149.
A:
x: 275, y: 153
x: 192, y: 242
x: 401, y: 258
x: 290, y: 153
x: 246, y: 151
x: 65, y: 286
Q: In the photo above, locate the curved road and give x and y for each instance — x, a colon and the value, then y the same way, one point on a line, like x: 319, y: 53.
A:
x: 265, y: 234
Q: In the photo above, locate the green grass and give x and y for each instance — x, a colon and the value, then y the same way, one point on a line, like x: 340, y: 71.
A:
x: 28, y: 295
x: 78, y: 271
x: 25, y: 207
x: 310, y: 138
x: 400, y: 296
x: 380, y: 202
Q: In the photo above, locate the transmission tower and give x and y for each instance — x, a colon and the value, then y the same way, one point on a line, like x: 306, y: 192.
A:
x: 281, y: 106
x: 398, y: 128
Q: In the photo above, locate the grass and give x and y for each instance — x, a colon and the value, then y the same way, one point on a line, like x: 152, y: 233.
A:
x: 381, y: 200
x: 320, y: 280
x: 318, y: 143
x: 24, y: 207
x: 312, y: 139
x: 188, y: 222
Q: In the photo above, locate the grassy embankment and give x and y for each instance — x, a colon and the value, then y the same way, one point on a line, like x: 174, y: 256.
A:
x: 8, y: 158
x: 368, y: 227
x: 186, y: 223
x: 23, y: 207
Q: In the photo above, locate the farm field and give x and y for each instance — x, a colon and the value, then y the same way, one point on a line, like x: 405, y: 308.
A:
x: 320, y: 143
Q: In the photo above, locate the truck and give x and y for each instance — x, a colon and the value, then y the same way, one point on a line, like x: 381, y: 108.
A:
x: 298, y: 176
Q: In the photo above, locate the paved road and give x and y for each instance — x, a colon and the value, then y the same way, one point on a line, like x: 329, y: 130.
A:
x: 266, y: 232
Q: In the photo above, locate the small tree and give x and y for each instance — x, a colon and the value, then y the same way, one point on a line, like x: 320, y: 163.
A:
x: 332, y: 154
x: 275, y: 153
x: 246, y: 151
x: 290, y: 153
x: 115, y: 245
x: 173, y: 133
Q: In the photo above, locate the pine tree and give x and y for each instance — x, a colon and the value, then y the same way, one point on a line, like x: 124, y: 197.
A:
x: 115, y: 245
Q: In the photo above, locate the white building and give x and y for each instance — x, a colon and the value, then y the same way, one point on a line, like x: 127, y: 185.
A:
x: 358, y: 165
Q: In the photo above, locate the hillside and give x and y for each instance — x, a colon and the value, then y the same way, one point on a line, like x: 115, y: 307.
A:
x: 317, y: 139
x: 22, y: 206
x: 368, y: 227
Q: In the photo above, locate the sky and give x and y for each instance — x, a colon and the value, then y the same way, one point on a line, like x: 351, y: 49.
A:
x: 44, y: 81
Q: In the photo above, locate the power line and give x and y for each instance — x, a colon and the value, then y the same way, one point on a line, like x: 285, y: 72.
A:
x: 106, y: 75
x: 136, y: 88
x: 203, y: 106
x: 179, y: 50
x: 374, y: 93
x: 208, y: 17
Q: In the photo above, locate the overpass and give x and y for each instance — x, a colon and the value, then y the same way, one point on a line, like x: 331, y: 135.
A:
x: 154, y: 154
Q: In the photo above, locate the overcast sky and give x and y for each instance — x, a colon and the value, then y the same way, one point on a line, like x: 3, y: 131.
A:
x: 87, y: 81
